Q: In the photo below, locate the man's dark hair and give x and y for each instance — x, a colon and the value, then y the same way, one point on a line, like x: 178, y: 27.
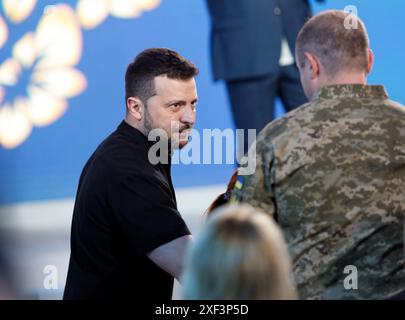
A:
x: 339, y: 47
x: 150, y: 63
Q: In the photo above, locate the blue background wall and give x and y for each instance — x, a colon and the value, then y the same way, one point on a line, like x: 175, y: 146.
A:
x: 47, y: 165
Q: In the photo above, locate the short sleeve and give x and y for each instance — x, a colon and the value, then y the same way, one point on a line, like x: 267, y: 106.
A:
x: 146, y: 212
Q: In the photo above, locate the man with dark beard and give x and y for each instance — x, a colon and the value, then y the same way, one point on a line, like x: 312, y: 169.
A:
x: 128, y: 239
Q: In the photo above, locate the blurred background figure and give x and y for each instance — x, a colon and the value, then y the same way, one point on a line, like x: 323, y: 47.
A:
x: 252, y: 45
x: 240, y: 254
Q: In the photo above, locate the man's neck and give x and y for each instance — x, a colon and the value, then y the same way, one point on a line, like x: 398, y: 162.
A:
x: 135, y: 125
x: 344, y: 78
x: 347, y: 78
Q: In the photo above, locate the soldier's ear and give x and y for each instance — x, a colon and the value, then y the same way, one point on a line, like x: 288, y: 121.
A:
x: 370, y: 61
x: 135, y: 107
x: 313, y: 65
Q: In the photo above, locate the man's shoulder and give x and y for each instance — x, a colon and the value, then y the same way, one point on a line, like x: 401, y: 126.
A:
x: 306, y: 116
x: 395, y: 108
x: 298, y: 117
x: 118, y: 155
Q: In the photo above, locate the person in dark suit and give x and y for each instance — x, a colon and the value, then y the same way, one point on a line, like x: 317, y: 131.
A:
x: 252, y: 48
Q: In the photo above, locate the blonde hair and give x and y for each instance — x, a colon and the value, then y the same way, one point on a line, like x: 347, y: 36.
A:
x: 241, y: 254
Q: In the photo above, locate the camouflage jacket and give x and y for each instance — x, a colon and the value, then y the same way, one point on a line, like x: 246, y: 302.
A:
x: 332, y: 173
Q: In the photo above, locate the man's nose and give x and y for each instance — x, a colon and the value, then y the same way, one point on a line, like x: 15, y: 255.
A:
x: 188, y: 115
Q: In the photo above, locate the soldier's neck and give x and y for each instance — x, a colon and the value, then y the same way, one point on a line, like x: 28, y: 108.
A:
x: 347, y: 78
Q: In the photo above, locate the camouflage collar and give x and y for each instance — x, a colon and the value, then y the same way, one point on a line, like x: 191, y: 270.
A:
x: 352, y: 91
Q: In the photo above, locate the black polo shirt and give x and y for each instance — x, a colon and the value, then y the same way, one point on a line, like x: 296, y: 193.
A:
x: 125, y: 208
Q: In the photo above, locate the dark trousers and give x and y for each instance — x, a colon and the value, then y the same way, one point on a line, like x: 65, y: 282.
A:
x: 252, y: 99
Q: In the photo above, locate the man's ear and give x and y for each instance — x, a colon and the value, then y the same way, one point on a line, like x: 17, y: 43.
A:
x: 370, y: 61
x: 135, y: 107
x: 313, y: 65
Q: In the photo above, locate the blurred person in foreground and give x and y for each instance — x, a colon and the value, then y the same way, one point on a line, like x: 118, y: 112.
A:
x: 128, y: 238
x: 240, y: 254
x: 332, y: 172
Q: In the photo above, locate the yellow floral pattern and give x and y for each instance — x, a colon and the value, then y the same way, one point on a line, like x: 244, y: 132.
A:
x: 93, y: 12
x: 50, y: 53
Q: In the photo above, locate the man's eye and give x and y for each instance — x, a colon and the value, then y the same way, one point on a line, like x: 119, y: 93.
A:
x: 175, y: 105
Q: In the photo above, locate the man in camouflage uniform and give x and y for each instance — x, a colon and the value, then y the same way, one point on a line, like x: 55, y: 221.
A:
x: 332, y: 172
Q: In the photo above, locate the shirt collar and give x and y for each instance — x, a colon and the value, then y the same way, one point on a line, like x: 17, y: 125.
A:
x: 137, y: 136
x: 132, y: 132
x: 352, y: 91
